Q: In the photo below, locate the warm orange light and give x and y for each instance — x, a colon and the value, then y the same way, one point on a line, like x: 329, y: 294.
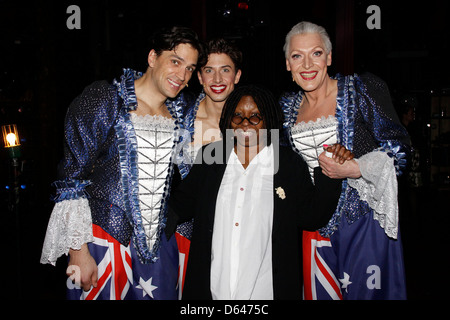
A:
x: 10, y: 136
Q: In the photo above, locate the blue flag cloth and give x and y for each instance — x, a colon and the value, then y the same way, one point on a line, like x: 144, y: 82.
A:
x: 358, y: 262
x: 121, y: 276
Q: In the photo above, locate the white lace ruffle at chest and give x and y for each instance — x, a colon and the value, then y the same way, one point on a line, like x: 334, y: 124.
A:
x: 309, y: 138
x: 155, y: 138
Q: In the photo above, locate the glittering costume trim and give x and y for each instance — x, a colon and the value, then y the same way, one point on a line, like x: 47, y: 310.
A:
x: 155, y: 139
x: 183, y: 155
x: 353, y: 95
x: 310, y: 137
x: 345, y: 108
x: 394, y: 149
x: 127, y: 146
x: 70, y: 190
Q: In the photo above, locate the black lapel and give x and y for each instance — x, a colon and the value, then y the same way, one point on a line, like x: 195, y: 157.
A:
x: 216, y: 155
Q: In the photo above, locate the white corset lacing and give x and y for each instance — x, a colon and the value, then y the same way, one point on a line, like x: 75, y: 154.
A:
x: 309, y: 138
x: 378, y: 182
x: 70, y: 224
x: 155, y: 136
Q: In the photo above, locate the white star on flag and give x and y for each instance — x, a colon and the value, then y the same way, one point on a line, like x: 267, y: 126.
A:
x: 147, y: 287
x: 345, y: 282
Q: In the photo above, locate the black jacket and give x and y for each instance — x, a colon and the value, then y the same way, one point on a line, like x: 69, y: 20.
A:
x: 304, y: 207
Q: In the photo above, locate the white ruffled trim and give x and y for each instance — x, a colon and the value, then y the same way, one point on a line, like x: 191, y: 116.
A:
x: 378, y: 187
x: 320, y: 123
x: 157, y: 121
x: 69, y: 227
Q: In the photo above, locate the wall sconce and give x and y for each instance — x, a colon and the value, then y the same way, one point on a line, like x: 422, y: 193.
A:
x: 11, y: 140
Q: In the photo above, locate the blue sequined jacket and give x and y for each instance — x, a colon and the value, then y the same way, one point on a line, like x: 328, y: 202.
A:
x: 100, y: 159
x: 184, y: 157
x: 366, y: 122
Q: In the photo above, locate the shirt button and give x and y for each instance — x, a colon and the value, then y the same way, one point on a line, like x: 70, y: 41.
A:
x: 242, y: 189
x: 237, y: 224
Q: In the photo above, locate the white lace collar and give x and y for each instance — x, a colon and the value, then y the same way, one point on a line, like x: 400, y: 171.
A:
x: 152, y: 120
x: 320, y: 123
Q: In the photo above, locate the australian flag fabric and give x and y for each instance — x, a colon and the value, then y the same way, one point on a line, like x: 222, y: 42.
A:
x: 121, y: 276
x: 358, y: 262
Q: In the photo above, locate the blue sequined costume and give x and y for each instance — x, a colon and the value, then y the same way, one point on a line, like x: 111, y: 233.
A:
x: 185, y: 158
x: 100, y: 164
x: 366, y: 123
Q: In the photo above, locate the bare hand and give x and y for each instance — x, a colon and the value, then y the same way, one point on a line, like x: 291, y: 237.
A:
x: 335, y: 170
x: 82, y: 268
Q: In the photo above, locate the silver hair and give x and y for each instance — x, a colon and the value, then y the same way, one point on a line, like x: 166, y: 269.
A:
x: 308, y: 27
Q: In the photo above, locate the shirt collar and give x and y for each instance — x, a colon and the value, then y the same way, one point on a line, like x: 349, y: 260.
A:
x: 264, y: 157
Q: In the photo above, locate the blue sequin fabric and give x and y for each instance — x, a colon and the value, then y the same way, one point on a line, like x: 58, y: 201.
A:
x: 100, y: 159
x: 366, y: 122
x: 184, y: 156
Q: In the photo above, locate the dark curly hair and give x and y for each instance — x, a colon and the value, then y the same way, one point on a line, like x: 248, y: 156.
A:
x: 268, y: 107
x: 168, y: 38
x: 220, y: 45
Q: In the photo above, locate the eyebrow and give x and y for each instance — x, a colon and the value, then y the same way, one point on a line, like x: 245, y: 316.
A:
x: 225, y: 66
x: 309, y: 49
x: 173, y: 55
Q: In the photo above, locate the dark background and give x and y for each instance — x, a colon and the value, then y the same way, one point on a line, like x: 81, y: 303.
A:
x: 44, y: 66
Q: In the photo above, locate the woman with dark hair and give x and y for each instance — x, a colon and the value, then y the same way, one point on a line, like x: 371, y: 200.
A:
x: 263, y: 99
x: 249, y: 197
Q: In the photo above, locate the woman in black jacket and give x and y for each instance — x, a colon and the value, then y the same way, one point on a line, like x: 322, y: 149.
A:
x: 250, y: 198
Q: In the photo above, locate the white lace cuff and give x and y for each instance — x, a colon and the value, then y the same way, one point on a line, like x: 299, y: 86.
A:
x: 69, y: 227
x: 378, y: 187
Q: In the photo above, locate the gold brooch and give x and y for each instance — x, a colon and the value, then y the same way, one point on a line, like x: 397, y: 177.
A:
x: 280, y: 192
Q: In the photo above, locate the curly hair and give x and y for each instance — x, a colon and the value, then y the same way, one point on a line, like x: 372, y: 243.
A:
x: 268, y: 107
x: 220, y: 45
x: 167, y: 39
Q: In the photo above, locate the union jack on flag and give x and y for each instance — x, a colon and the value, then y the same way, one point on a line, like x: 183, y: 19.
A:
x: 319, y: 280
x: 183, y: 248
x: 121, y: 276
x: 358, y: 262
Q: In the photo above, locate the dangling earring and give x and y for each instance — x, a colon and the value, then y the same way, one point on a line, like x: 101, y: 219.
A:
x: 293, y: 79
x: 187, y: 85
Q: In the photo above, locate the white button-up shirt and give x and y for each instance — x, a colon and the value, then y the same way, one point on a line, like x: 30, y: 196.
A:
x: 241, y: 258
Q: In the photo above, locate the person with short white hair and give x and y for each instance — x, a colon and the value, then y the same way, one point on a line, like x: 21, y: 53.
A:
x: 358, y: 255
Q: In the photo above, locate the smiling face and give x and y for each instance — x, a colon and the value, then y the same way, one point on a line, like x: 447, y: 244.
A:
x: 246, y: 133
x: 219, y: 76
x: 308, y: 61
x: 172, y: 70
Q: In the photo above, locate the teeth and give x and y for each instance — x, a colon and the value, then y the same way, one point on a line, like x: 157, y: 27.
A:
x: 174, y: 83
x: 246, y: 133
x: 218, y: 87
x: 308, y: 74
